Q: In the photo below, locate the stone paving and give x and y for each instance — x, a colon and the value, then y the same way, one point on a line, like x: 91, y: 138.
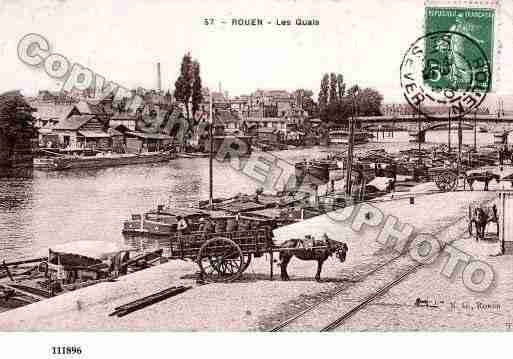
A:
x: 452, y: 306
x: 254, y: 303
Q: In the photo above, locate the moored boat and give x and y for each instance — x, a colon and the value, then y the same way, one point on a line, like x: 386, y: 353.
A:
x: 100, y: 160
x: 342, y: 137
x: 320, y: 171
x: 315, y: 171
x: 162, y: 221
x: 67, y: 267
x: 192, y: 155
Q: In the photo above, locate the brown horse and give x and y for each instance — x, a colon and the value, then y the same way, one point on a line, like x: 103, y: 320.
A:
x: 480, y: 217
x: 485, y: 177
x: 295, y: 247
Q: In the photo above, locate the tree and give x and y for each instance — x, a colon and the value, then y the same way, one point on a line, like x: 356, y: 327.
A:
x: 305, y: 102
x: 341, y: 86
x: 183, y: 85
x: 311, y: 107
x: 336, y: 104
x: 324, y: 93
x: 333, y: 89
x: 369, y: 102
x: 16, y: 127
x: 197, y: 95
x: 353, y: 90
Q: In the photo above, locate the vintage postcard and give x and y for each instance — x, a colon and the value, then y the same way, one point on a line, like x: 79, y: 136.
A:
x: 273, y: 166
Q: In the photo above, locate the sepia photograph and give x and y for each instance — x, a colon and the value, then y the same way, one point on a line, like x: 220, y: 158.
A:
x: 200, y: 167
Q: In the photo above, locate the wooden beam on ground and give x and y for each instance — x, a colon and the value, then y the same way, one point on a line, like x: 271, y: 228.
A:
x: 22, y: 291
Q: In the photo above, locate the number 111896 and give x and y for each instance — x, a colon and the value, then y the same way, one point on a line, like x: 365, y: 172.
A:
x: 66, y: 350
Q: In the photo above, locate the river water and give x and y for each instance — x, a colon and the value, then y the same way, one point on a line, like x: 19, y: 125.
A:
x: 50, y: 208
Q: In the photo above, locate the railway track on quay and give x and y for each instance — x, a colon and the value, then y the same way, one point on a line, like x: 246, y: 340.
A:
x: 348, y: 299
x: 337, y: 308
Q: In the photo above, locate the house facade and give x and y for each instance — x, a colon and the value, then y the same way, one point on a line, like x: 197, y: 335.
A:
x: 82, y: 131
x: 269, y: 134
x: 123, y: 119
x: 137, y: 142
x: 277, y: 123
x: 47, y: 116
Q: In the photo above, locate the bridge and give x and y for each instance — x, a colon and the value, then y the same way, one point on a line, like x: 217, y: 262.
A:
x: 410, y: 123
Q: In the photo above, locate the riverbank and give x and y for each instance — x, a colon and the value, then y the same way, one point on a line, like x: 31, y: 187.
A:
x: 255, y: 302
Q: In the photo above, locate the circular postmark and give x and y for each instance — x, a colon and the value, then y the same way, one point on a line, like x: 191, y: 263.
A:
x: 445, y: 71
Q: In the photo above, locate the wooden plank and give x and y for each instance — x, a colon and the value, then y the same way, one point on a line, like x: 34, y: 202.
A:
x: 42, y: 259
x: 144, y: 299
x: 38, y: 297
x: 147, y: 301
x: 147, y: 256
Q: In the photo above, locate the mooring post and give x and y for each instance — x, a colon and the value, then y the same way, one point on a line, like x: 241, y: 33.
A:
x: 8, y: 271
x: 502, y: 201
x: 475, y: 130
x: 271, y: 264
x: 449, y: 132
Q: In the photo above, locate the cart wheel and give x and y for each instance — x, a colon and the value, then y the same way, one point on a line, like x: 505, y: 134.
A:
x: 221, y: 260
x: 247, y: 262
x: 446, y: 181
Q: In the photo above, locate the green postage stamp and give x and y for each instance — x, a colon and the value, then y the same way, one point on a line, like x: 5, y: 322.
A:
x: 466, y: 36
x: 451, y: 65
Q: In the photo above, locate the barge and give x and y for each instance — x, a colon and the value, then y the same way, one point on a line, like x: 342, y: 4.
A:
x: 317, y: 171
x: 162, y: 221
x: 64, y: 162
x: 68, y: 267
x: 342, y: 137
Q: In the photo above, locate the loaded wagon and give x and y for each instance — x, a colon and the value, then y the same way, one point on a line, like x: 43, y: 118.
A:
x: 224, y: 256
x: 221, y: 257
x: 446, y: 179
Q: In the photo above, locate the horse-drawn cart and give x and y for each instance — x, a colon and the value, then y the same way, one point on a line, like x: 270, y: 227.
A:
x: 446, y: 179
x: 221, y: 257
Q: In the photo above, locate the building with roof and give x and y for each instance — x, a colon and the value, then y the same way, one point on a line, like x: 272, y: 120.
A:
x: 93, y: 107
x: 82, y: 131
x: 124, y: 119
x: 137, y: 141
x: 275, y: 103
x: 277, y: 123
x: 227, y: 117
x: 46, y: 116
x: 55, y: 97
x: 117, y: 139
x: 269, y: 134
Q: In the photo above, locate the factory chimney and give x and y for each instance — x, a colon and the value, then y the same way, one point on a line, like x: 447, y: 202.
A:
x: 159, y: 78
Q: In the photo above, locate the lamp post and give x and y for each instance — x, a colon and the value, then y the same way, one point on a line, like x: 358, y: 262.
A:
x: 449, y: 135
x: 350, y: 147
x: 460, y: 140
x: 419, y: 127
x: 475, y: 129
x: 211, y: 157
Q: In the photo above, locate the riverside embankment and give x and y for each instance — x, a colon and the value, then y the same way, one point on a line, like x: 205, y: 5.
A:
x: 255, y: 302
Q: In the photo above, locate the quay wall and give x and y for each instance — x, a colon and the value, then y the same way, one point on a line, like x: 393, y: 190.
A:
x: 89, y: 308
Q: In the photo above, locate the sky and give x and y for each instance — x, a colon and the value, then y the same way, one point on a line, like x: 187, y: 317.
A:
x: 364, y: 40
